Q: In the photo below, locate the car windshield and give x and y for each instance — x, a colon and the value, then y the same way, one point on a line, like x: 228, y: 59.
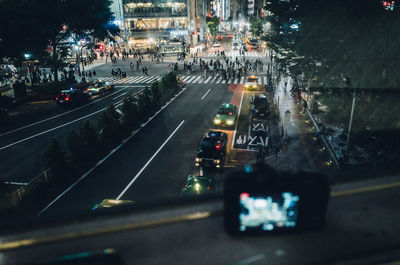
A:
x: 115, y: 99
x: 226, y: 111
x: 260, y: 101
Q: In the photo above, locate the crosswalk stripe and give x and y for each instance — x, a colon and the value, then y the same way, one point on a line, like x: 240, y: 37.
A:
x: 190, y: 80
x: 140, y: 79
x: 223, y: 81
x: 152, y: 79
x: 195, y: 81
x: 208, y: 79
x: 265, y: 80
x: 185, y: 78
x: 242, y: 80
x: 218, y: 81
x: 159, y: 78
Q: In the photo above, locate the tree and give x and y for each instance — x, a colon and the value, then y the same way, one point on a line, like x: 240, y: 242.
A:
x: 109, y: 126
x: 36, y: 24
x: 213, y: 24
x: 90, y: 141
x: 130, y: 111
x: 56, y: 159
x: 155, y: 94
x: 348, y: 38
x: 76, y: 149
x: 256, y: 26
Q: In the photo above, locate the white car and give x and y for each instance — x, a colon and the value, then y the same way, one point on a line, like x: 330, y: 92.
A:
x: 216, y: 45
x: 235, y: 46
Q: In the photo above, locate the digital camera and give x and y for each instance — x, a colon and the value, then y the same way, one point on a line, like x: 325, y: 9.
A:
x: 261, y: 200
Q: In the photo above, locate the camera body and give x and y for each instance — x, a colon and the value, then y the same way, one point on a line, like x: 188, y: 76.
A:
x: 260, y: 200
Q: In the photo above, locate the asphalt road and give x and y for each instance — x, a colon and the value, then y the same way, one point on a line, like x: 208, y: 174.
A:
x: 174, y: 136
x: 24, y: 146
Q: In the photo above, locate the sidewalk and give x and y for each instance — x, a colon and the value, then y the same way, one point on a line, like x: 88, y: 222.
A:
x: 299, y: 149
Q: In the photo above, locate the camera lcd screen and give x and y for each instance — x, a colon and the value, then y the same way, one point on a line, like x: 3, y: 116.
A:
x: 268, y: 212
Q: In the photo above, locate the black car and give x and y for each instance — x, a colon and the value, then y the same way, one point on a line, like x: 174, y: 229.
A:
x: 260, y: 106
x: 212, y: 149
x: 72, y: 97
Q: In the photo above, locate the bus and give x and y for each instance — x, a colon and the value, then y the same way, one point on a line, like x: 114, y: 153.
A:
x: 172, y: 49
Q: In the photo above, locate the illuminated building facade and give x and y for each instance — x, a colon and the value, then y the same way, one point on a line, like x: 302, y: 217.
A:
x: 148, y: 23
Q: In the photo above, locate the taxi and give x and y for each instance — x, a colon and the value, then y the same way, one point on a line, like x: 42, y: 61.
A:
x: 251, y: 83
x: 226, y: 115
x: 99, y: 87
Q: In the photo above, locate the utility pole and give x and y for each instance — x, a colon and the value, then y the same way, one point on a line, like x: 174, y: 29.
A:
x: 350, y: 122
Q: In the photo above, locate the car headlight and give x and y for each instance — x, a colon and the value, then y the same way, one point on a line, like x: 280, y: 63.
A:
x: 256, y: 110
x: 217, y: 121
x: 197, y: 186
x: 217, y: 161
x: 229, y: 122
x: 198, y: 159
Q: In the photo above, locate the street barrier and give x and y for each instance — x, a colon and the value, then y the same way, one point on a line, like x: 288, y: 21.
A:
x: 326, y: 144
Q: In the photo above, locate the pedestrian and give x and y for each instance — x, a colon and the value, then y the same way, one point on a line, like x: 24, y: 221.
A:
x: 94, y: 72
x: 276, y: 151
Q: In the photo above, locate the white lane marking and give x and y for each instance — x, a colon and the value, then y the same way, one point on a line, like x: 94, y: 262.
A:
x: 201, y: 171
x: 123, y: 94
x: 60, y: 126
x: 140, y: 79
x: 265, y: 80
x: 208, y: 79
x: 105, y: 158
x: 191, y: 79
x: 15, y: 183
x: 208, y: 91
x: 194, y: 81
x: 62, y: 114
x: 149, y: 161
x: 147, y: 78
x: 185, y: 78
x: 234, y: 133
x: 50, y: 130
x: 134, y: 79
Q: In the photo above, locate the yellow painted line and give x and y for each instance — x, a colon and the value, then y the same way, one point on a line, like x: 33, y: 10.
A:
x: 365, y: 189
x: 12, y: 245
x: 73, y: 235
x: 39, y: 102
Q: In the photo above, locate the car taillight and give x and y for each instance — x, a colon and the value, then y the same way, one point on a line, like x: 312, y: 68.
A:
x: 56, y: 98
x: 218, y: 146
x: 208, y: 188
x: 186, y: 186
x: 230, y: 113
x: 67, y: 98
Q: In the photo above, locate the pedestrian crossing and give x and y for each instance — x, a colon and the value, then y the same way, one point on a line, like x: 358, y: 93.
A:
x: 187, y: 79
x: 234, y: 54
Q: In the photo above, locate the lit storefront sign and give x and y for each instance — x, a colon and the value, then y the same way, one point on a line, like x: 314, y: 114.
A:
x: 178, y: 32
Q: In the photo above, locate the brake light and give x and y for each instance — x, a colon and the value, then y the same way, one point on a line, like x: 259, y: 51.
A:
x: 67, y: 98
x: 218, y: 146
x: 186, y: 186
x: 230, y: 113
x: 208, y: 188
x: 56, y: 98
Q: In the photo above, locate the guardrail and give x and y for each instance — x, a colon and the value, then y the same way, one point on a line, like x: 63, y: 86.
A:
x: 326, y: 144
x: 18, y: 196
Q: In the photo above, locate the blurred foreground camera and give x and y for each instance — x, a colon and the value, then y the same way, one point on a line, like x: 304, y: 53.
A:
x: 261, y: 200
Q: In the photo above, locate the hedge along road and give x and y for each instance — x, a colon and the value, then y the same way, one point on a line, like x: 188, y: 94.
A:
x: 25, y: 147
x: 154, y: 164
